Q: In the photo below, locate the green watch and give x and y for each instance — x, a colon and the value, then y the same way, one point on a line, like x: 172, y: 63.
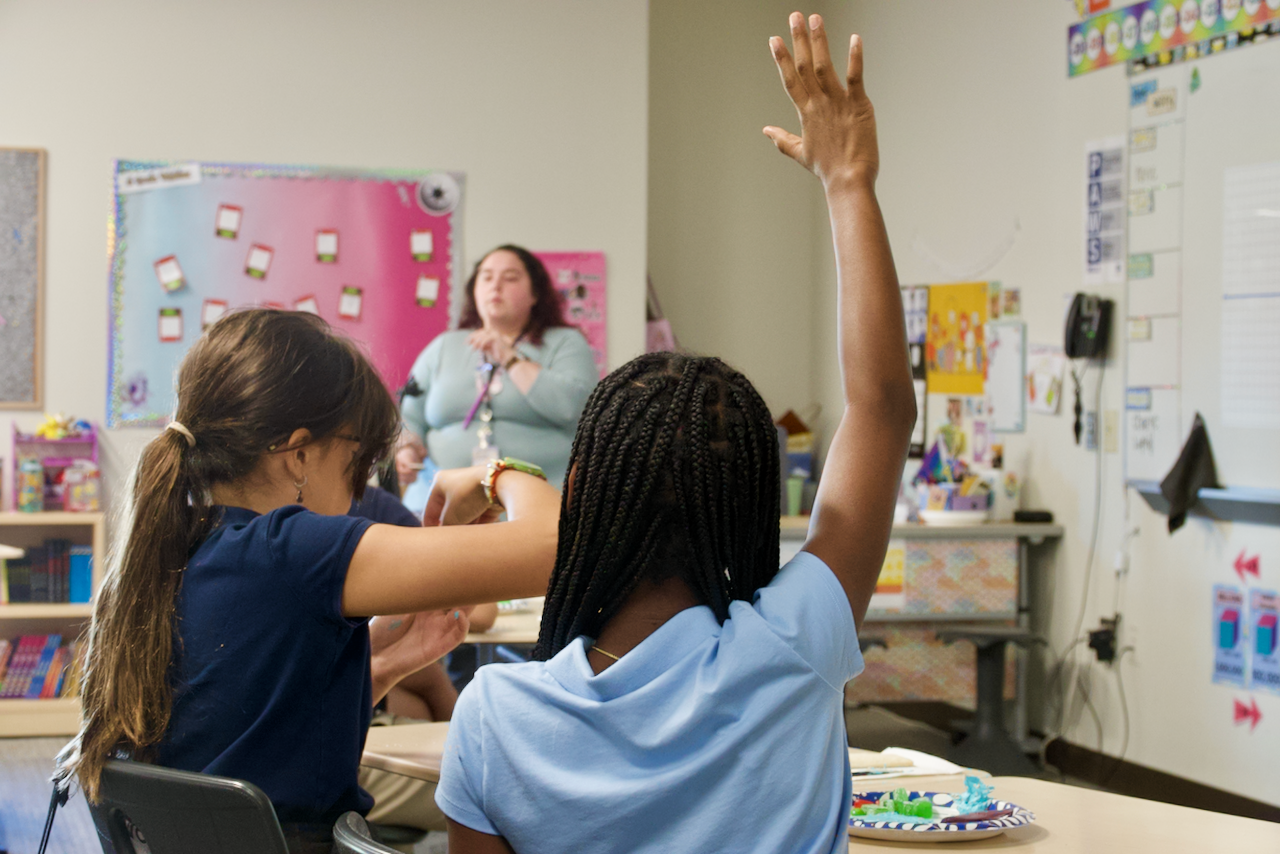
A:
x: 497, y: 467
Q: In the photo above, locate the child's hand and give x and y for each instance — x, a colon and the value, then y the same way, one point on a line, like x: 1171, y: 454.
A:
x: 838, y: 126
x: 457, y: 498
x: 406, y: 643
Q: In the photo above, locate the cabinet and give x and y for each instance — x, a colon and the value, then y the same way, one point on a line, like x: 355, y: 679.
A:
x: 27, y: 530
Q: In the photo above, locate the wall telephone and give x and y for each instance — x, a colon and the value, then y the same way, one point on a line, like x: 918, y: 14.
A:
x: 1088, y: 327
x: 1088, y: 330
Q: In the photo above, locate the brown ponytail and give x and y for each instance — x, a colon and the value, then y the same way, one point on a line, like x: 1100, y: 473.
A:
x: 247, y: 384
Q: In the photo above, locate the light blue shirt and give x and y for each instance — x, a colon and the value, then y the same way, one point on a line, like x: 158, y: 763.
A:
x: 702, y: 738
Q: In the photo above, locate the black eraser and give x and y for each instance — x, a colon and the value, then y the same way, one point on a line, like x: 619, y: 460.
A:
x: 1032, y: 516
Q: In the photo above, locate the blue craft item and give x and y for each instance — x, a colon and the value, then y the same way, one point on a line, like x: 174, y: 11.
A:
x: 976, y: 797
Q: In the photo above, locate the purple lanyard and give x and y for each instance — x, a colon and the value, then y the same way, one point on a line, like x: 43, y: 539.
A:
x: 487, y: 367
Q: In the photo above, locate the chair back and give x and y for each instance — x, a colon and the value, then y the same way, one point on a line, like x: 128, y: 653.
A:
x: 351, y: 836
x: 147, y: 809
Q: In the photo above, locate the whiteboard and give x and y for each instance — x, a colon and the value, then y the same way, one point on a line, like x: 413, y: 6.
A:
x: 1227, y: 128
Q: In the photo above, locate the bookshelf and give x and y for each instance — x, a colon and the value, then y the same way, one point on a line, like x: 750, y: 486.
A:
x: 26, y: 718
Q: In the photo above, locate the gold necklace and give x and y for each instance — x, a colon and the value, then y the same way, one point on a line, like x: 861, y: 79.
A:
x: 605, y: 654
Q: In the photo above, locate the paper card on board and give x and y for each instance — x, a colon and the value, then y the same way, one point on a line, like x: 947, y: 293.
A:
x: 327, y: 245
x: 428, y: 291
x: 890, y: 593
x: 1153, y: 432
x: 211, y: 311
x: 1228, y: 635
x: 170, y: 274
x: 259, y: 261
x: 307, y: 304
x: 1046, y: 369
x: 170, y: 324
x: 956, y: 352
x: 227, y: 223
x: 351, y: 303
x: 421, y: 244
x: 1264, y: 614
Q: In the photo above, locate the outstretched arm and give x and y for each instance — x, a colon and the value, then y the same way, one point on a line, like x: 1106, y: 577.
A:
x: 853, y: 514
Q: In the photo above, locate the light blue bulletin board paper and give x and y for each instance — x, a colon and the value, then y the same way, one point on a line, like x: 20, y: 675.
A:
x: 1228, y: 635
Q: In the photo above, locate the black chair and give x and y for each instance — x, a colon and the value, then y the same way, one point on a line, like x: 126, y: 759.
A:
x: 351, y: 836
x: 180, y: 812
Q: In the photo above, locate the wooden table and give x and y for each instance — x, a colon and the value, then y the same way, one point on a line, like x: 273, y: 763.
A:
x: 510, y: 628
x: 1087, y: 821
x: 413, y: 750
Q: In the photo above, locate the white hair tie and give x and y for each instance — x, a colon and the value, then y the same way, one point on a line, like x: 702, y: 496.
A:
x: 186, y: 434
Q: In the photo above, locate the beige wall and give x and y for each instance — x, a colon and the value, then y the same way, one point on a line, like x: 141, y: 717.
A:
x: 730, y: 219
x: 982, y: 139
x: 542, y: 105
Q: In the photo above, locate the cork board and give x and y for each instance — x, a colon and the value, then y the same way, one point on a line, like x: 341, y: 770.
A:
x: 21, y: 276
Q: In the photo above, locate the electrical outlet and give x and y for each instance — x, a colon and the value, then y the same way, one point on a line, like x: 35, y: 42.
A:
x: 1103, y: 639
x: 1111, y: 431
x: 1091, y: 431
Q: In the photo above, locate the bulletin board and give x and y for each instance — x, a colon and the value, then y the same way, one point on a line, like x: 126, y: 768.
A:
x: 1202, y: 319
x: 21, y: 275
x: 579, y: 277
x: 372, y: 252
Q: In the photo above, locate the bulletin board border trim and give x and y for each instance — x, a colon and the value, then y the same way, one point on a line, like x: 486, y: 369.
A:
x: 37, y: 352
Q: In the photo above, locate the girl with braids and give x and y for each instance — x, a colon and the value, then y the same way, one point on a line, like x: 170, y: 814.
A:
x: 231, y: 634
x: 689, y: 694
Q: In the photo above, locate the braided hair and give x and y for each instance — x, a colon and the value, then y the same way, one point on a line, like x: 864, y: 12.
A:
x: 673, y: 472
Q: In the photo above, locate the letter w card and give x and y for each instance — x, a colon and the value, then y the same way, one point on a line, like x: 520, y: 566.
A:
x: 1264, y: 611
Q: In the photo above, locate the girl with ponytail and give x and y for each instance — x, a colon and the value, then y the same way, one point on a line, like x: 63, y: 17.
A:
x: 230, y: 634
x: 690, y: 692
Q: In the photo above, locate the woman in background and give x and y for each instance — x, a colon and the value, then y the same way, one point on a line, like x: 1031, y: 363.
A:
x: 510, y: 382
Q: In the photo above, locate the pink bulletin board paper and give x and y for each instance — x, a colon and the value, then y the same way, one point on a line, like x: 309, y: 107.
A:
x: 580, y: 279
x: 283, y: 207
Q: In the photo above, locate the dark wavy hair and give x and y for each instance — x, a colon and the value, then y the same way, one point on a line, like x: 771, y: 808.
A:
x: 251, y: 380
x: 548, y: 309
x: 674, y: 472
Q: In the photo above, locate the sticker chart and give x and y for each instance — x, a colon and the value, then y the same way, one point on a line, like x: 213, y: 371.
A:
x: 371, y: 252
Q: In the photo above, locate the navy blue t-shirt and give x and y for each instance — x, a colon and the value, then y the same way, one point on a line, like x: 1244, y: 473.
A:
x: 271, y: 681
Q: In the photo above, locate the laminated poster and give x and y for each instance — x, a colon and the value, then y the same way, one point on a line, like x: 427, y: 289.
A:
x: 955, y: 349
x: 1264, y: 610
x: 1228, y: 635
x: 890, y: 595
x: 372, y: 252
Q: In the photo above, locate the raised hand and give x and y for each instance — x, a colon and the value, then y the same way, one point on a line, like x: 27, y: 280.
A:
x: 837, y: 124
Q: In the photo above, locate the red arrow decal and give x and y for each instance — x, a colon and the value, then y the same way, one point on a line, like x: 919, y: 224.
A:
x: 1249, y: 713
x: 1244, y: 567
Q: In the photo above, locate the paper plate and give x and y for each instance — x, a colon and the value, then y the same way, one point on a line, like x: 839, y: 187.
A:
x: 954, y: 517
x: 944, y: 805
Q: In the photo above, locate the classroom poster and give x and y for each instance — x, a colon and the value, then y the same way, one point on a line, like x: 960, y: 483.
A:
x: 955, y: 349
x: 915, y: 309
x: 1046, y: 371
x: 1228, y: 635
x: 1264, y: 611
x: 890, y: 594
x: 580, y: 279
x: 200, y: 239
x: 1105, y: 211
x: 1006, y: 368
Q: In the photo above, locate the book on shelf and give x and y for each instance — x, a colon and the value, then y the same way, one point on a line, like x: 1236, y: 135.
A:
x: 39, y: 667
x: 56, y: 572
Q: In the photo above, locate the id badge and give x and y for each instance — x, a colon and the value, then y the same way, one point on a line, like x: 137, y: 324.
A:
x: 482, y: 455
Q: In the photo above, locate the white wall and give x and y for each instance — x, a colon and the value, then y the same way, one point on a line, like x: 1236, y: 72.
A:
x: 542, y: 105
x: 980, y: 128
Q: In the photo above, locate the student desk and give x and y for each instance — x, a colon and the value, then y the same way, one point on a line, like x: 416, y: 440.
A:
x: 412, y: 750
x: 935, y: 576
x: 1073, y: 820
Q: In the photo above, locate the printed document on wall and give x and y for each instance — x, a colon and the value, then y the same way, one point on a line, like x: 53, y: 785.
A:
x: 1251, y: 296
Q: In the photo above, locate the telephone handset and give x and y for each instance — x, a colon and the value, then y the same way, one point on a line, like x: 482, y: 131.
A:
x: 1088, y: 330
x: 1088, y: 327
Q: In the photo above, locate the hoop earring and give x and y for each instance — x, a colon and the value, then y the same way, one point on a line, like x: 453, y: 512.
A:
x: 299, y: 486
